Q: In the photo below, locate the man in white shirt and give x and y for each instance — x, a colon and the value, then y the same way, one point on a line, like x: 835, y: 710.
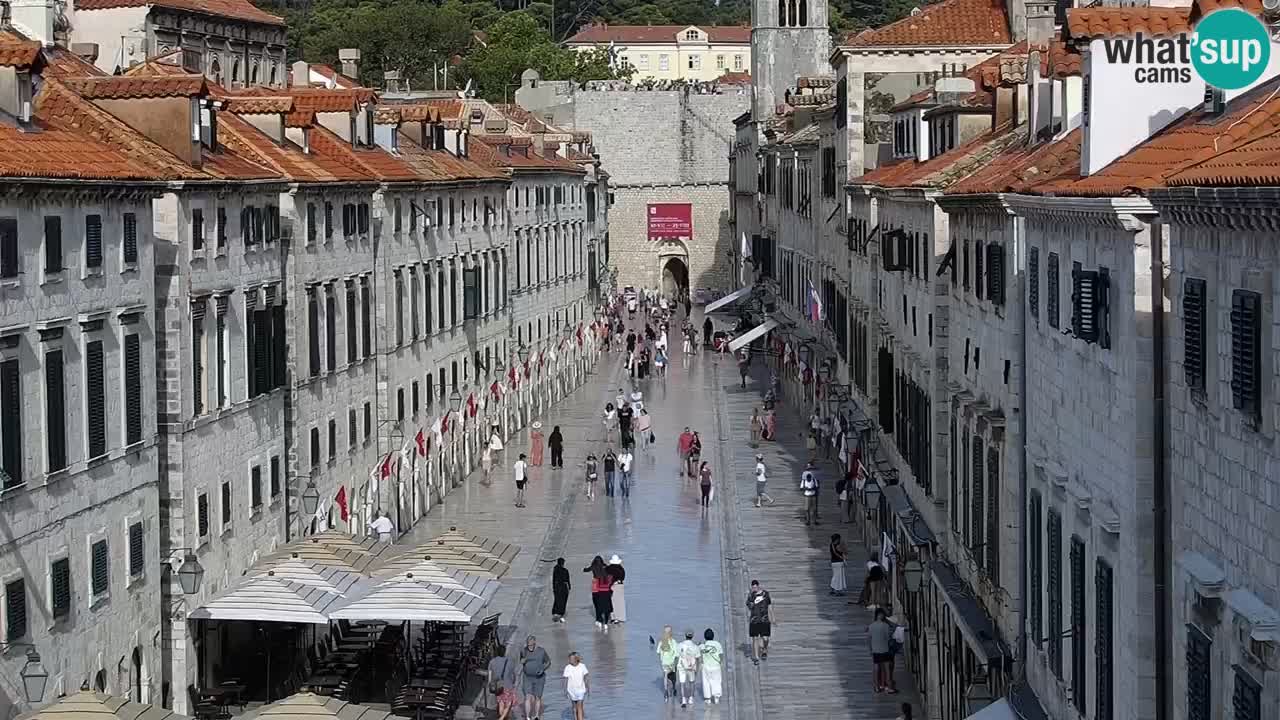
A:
x: 522, y: 478
x: 383, y: 526
x: 809, y: 485
x: 576, y: 685
x: 620, y: 400
x: 688, y: 654
x: 624, y: 471
x: 761, y: 495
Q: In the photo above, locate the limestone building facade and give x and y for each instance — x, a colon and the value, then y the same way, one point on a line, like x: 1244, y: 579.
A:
x: 690, y: 53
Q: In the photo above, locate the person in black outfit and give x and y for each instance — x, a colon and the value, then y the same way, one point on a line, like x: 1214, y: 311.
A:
x: 707, y: 327
x: 556, y: 443
x: 560, y: 590
x: 631, y: 341
x: 625, y: 413
x: 610, y: 467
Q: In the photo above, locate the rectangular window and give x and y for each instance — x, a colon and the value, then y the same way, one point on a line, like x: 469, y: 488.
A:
x: 1199, y: 675
x: 995, y: 273
x: 328, y: 220
x: 129, y: 248
x: 100, y: 567
x: 1035, y: 557
x: 1246, y: 353
x: 397, y: 221
x: 197, y: 357
x: 400, y: 404
x: 453, y: 295
x: 1033, y: 282
x: 275, y: 476
x: 137, y: 550
x: 353, y: 429
x: 197, y: 229
x: 60, y: 588
x: 52, y: 244
x: 362, y: 218
x: 399, y: 308
x: 470, y: 293
x: 222, y: 370
x: 255, y: 487
x: 366, y: 310
x: 1246, y: 697
x: 226, y: 505
x: 9, y: 255
x: 222, y: 228
x: 1051, y: 291
x: 331, y: 327
x: 664, y: 63
x: 414, y: 397
x: 312, y: 230
x: 977, y: 506
x: 964, y: 266
x: 315, y: 447
x: 333, y: 439
x: 1193, y: 336
x: 720, y: 62
x: 93, y: 241
x: 368, y: 421
x: 15, y: 610
x: 202, y: 515
x: 11, y: 422
x: 993, y: 539
x: 313, y: 331
x: 132, y: 389
x: 1103, y: 646
x: 737, y: 62
x: 1054, y: 559
x: 55, y: 411
x: 415, y: 303
x: 1078, y: 671
x: 95, y: 399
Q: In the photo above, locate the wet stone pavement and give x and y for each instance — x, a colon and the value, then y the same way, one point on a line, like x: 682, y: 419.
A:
x: 684, y: 568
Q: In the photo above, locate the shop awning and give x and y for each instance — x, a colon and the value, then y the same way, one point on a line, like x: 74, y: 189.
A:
x: 736, y: 294
x: 747, y: 337
x: 434, y: 572
x: 268, y: 598
x: 89, y: 705
x: 979, y: 630
x: 309, y: 706
x: 306, y: 572
x: 469, y: 562
x: 406, y: 597
x: 998, y: 710
x: 457, y: 540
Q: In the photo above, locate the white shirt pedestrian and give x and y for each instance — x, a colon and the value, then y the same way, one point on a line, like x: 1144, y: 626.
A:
x: 520, y: 467
x: 624, y: 461
x: 383, y: 526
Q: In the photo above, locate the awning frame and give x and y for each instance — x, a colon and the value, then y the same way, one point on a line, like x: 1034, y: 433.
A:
x: 752, y: 335
x: 731, y: 297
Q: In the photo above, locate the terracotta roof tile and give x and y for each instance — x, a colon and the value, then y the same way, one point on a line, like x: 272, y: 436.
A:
x: 386, y: 116
x: 17, y: 51
x: 300, y: 118
x: 986, y: 74
x: 1061, y: 61
x: 493, y: 152
x: 948, y: 23
x: 234, y: 9
x: 947, y: 168
x: 126, y: 87
x: 1252, y: 164
x: 62, y: 63
x: 330, y: 99
x: 635, y: 34
x: 1022, y: 169
x: 439, y: 165
x: 257, y: 105
x: 1200, y: 8
x: 734, y: 78
x: 419, y: 112
x: 1110, y: 22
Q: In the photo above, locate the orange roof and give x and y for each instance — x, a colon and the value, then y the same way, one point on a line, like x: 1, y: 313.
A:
x: 257, y: 105
x: 734, y: 78
x: 329, y: 99
x: 287, y: 159
x: 946, y: 168
x: 62, y: 63
x: 17, y: 51
x: 1200, y: 8
x: 386, y: 116
x: 419, y: 112
x: 233, y: 9
x: 946, y: 24
x: 145, y: 86
x: 1026, y: 170
x: 440, y: 165
x: 602, y: 34
x: 300, y: 118
x: 1110, y: 22
x: 504, y: 151
x: 1061, y: 61
x: 1254, y: 163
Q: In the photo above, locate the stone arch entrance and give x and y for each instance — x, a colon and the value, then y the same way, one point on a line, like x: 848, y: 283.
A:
x: 673, y: 267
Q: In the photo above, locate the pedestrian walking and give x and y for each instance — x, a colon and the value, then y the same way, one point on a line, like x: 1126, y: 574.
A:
x: 760, y: 621
x: 534, y: 663
x: 610, y: 421
x: 610, y: 467
x: 707, y: 327
x: 684, y: 444
x: 761, y: 481
x: 815, y: 431
x: 486, y: 464
x: 881, y: 635
x: 770, y: 430
x: 644, y: 428
x: 625, y: 461
x: 757, y: 426
x: 618, y: 600
x: 838, y: 554
x: 521, y: 468
x: 577, y: 685
x: 600, y: 588
x: 906, y: 711
x: 688, y: 655
x: 695, y: 454
x: 592, y: 474
x: 620, y: 399
x: 535, y: 444
x: 383, y: 527
x: 712, y: 667
x: 666, y: 649
x: 559, y: 590
x: 625, y: 417
x: 501, y: 677
x: 556, y: 443
x: 704, y: 483
x: 844, y: 496
x: 809, y: 486
x: 744, y: 366
x: 872, y: 596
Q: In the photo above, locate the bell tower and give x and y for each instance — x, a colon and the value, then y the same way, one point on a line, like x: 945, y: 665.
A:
x: 789, y: 39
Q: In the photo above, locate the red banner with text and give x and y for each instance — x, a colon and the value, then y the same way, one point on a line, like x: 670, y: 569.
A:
x: 670, y: 220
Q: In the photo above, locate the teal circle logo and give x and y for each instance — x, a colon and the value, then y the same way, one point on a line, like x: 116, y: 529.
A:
x: 1230, y: 49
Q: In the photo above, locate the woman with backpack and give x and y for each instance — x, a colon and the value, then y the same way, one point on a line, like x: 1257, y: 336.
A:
x: 601, y: 590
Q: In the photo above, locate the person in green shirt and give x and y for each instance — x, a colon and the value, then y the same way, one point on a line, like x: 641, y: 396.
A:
x: 712, y: 667
x: 666, y: 649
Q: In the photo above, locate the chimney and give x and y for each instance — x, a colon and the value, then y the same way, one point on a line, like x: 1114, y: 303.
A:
x: 16, y: 93
x: 952, y: 89
x: 87, y: 51
x: 350, y: 58
x: 301, y: 73
x: 1040, y: 22
x: 37, y: 18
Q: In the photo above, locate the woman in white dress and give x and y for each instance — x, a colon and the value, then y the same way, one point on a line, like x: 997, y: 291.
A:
x: 614, y: 568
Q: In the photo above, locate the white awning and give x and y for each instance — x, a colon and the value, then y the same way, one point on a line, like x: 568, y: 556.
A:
x: 998, y: 710
x: 405, y: 597
x: 756, y: 332
x: 268, y: 598
x: 712, y: 307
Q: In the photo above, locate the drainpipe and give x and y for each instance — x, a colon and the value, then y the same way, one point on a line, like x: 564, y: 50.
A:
x: 1164, y: 524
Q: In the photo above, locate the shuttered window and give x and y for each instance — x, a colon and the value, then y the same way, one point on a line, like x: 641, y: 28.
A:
x: 221, y: 229
x: 979, y: 278
x: 362, y: 218
x: 100, y: 567
x: 55, y: 411
x: 1199, y: 675
x: 197, y: 229
x: 279, y: 341
x: 1051, y: 291
x: 1246, y: 353
x: 368, y: 421
x: 995, y: 273
x: 1033, y: 282
x: 220, y: 349
x: 132, y: 389
x: 53, y: 244
x: 353, y: 340
x: 60, y: 588
x: 255, y: 487
x: 328, y: 221
x: 202, y: 515
x: 1054, y: 632
x: 1246, y: 697
x: 955, y: 471
x: 95, y: 399
x: 399, y: 308
x: 93, y: 241
x: 353, y: 428
x: 9, y: 255
x: 315, y: 447
x: 130, y: 245
x: 1083, y: 321
x: 11, y: 422
x: 331, y: 327
x: 197, y: 359
x: 311, y: 223
x: 313, y: 331
x: 1104, y: 646
x: 993, y: 514
x: 1193, y: 337
x: 1035, y: 557
x: 275, y: 476
x: 977, y: 505
x: 470, y: 293
x: 333, y: 439
x: 137, y: 550
x: 366, y: 329
x: 15, y: 610
x: 1078, y: 671
x: 227, y: 504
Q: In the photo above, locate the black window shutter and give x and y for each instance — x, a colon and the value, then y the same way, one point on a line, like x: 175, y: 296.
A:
x: 133, y: 389
x: 1103, y: 646
x: 331, y: 328
x: 197, y: 229
x: 979, y: 279
x: 53, y: 244
x: 9, y: 254
x: 221, y: 230
x: 1078, y: 671
x: 1051, y: 291
x: 197, y: 361
x: 1246, y: 697
x: 275, y: 476
x: 315, y: 447
x: 955, y: 471
x: 1033, y: 282
x: 362, y: 218
x: 1054, y: 631
x: 328, y: 220
x: 255, y: 486
x: 101, y: 568
x: 353, y: 350
x: 352, y: 428
x: 1102, y: 306
x: 55, y: 410
x: 93, y: 241
x: 130, y: 222
x: 1246, y: 352
x: 995, y: 273
x: 333, y: 438
x: 15, y: 610
x: 262, y: 350
x: 1084, y: 299
x: 11, y: 422
x: 202, y: 515
x: 226, y: 503
x: 313, y: 331
x: 993, y: 513
x: 95, y: 388
x: 1199, y: 675
x: 964, y: 263
x: 977, y: 503
x: 365, y: 309
x: 60, y: 587
x: 137, y: 550
x: 279, y: 345
x: 1035, y: 546
x: 311, y: 223
x: 1193, y: 336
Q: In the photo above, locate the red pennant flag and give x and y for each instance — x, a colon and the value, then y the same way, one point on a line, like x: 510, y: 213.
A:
x: 472, y: 405
x: 526, y: 369
x: 540, y: 361
x: 579, y: 334
x: 444, y: 423
x: 511, y: 376
x: 421, y: 440
x: 341, y: 501
x: 387, y: 464
x: 493, y: 390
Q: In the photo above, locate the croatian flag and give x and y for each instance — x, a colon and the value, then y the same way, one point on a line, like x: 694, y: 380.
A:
x: 813, y: 305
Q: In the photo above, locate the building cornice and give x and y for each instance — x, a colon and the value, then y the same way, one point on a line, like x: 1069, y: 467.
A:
x: 50, y: 187
x: 1232, y: 208
x: 1122, y: 213
x: 986, y: 203
x: 915, y: 195
x: 846, y: 51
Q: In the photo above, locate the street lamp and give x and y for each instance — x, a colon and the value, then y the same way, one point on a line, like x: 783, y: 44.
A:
x: 913, y: 572
x: 34, y: 676
x: 455, y: 399
x: 190, y: 573
x: 310, y: 498
x: 523, y: 352
x: 871, y: 492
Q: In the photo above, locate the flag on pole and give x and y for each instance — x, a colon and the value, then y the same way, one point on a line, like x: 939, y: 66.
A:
x: 421, y: 440
x: 471, y: 405
x: 388, y: 464
x: 444, y: 422
x: 813, y: 305
x: 746, y: 248
x: 341, y: 501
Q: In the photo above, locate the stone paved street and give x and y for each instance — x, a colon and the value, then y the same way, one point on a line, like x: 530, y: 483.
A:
x: 683, y: 568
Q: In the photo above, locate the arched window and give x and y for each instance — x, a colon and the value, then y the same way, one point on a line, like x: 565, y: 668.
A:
x: 236, y: 76
x: 782, y: 13
x: 253, y: 74
x: 275, y: 74
x: 804, y: 12
x: 215, y: 71
x: 791, y: 13
x: 137, y: 676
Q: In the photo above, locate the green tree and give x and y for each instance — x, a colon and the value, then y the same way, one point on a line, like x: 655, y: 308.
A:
x: 518, y: 41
